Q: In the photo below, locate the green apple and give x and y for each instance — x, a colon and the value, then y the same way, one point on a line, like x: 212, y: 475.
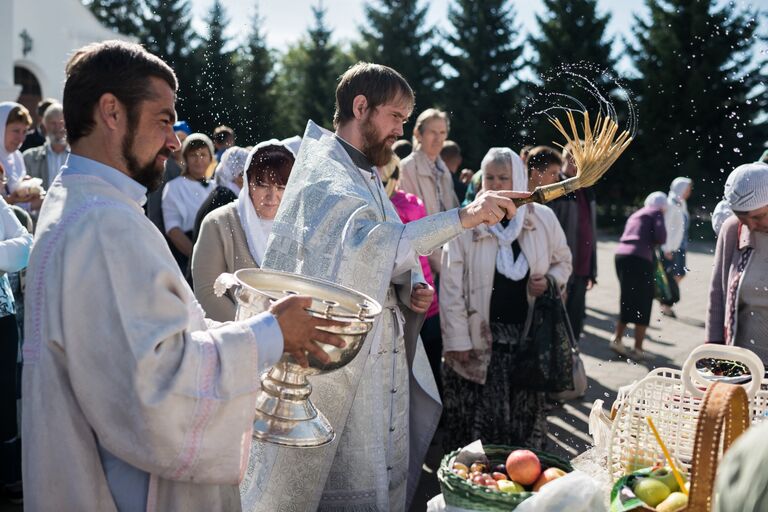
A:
x: 674, y: 502
x: 651, y: 491
x: 509, y: 486
x: 667, y: 477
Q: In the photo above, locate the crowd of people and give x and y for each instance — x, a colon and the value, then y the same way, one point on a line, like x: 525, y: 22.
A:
x: 94, y: 163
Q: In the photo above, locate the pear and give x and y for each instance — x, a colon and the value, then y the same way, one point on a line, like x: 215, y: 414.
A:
x: 674, y: 502
x: 651, y: 491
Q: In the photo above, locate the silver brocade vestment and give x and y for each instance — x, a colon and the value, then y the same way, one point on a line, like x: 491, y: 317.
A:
x: 384, y: 405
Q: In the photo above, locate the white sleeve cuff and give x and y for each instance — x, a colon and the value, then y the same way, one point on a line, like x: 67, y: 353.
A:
x: 269, y: 339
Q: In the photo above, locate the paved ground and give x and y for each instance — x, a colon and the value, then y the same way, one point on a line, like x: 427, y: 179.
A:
x: 670, y: 341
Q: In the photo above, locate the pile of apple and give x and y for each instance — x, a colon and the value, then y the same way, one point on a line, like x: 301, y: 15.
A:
x: 521, y: 473
x: 659, y: 490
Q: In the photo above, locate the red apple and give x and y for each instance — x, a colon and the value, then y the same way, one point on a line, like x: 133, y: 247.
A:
x: 498, y: 476
x: 547, y: 476
x: 523, y: 467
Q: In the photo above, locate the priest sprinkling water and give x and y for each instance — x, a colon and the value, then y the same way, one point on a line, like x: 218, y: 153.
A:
x: 336, y: 223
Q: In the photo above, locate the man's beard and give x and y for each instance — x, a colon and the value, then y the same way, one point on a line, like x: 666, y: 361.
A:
x: 149, y: 175
x: 56, y: 141
x: 378, y: 152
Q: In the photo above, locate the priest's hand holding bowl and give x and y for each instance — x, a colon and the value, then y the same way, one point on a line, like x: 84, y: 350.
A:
x: 490, y: 207
x: 301, y: 331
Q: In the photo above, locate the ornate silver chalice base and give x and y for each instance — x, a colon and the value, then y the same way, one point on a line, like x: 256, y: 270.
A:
x: 284, y: 413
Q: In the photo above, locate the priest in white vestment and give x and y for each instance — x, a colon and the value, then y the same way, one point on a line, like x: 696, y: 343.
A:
x: 336, y: 222
x: 132, y: 400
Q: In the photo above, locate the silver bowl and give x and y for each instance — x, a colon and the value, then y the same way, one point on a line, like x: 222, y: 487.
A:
x: 284, y: 413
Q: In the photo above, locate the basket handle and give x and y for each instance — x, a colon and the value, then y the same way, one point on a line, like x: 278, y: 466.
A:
x: 724, y: 416
x: 693, y: 380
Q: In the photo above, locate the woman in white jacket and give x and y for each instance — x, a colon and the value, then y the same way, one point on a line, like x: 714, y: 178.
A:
x: 15, y: 244
x: 676, y: 221
x: 490, y: 280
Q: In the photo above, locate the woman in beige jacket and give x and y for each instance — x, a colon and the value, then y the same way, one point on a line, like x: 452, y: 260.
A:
x: 234, y: 236
x: 489, y: 283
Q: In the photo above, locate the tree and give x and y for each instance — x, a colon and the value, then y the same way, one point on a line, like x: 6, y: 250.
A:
x: 572, y: 35
x: 168, y: 34
x: 122, y: 16
x: 481, y: 92
x: 699, y: 100
x: 307, y: 78
x: 397, y: 35
x: 217, y: 103
x: 256, y: 85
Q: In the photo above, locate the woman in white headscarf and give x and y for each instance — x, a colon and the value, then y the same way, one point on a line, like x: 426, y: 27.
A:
x: 235, y: 236
x: 643, y: 233
x: 14, y: 123
x: 676, y: 221
x: 737, y: 313
x: 229, y: 180
x: 489, y: 282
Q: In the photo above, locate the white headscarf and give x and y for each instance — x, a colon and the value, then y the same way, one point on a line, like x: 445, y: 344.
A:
x: 256, y: 229
x: 231, y: 166
x: 506, y: 264
x: 720, y: 214
x: 677, y: 189
x: 656, y: 200
x: 12, y: 161
x: 747, y: 187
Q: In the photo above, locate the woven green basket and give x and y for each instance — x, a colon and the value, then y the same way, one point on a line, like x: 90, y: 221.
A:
x: 462, y: 493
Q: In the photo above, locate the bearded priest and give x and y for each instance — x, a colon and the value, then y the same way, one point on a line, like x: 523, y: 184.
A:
x: 336, y: 223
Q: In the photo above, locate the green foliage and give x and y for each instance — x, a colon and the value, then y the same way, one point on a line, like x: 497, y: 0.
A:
x: 699, y: 99
x: 483, y: 58
x: 256, y: 85
x: 306, y: 82
x: 397, y: 35
x: 123, y: 16
x: 217, y: 102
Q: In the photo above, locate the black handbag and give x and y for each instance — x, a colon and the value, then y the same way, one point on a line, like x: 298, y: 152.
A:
x: 543, y: 360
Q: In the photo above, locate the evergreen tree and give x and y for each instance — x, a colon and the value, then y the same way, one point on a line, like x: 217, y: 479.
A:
x: 397, y: 35
x: 698, y: 101
x: 572, y: 35
x: 256, y: 81
x: 122, y: 16
x: 307, y: 79
x: 483, y: 57
x: 168, y: 34
x: 217, y: 103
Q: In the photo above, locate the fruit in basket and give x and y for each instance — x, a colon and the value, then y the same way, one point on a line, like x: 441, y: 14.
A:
x: 478, y: 466
x: 510, y: 487
x: 478, y: 479
x: 674, y: 502
x: 459, y: 465
x: 498, y: 476
x: 500, y: 468
x: 523, y: 466
x: 547, y: 476
x: 461, y: 473
x: 651, y: 491
x: 667, y: 477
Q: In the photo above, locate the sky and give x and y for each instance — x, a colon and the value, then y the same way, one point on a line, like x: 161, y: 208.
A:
x: 285, y: 21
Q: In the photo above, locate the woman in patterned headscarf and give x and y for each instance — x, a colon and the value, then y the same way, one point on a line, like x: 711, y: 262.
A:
x: 737, y: 313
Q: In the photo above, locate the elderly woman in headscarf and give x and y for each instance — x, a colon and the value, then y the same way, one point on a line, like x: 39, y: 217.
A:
x: 490, y: 280
x: 677, y: 220
x: 229, y: 180
x: 643, y: 233
x: 409, y: 207
x: 737, y: 313
x: 235, y: 236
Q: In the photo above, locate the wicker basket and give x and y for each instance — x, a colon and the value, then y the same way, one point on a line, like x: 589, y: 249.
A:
x: 458, y: 492
x: 674, y: 398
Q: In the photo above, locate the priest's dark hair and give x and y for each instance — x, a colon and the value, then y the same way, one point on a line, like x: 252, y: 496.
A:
x: 115, y: 67
x: 379, y: 84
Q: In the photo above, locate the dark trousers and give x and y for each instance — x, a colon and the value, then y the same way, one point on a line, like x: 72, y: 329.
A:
x: 10, y: 451
x: 432, y: 338
x: 576, y: 304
